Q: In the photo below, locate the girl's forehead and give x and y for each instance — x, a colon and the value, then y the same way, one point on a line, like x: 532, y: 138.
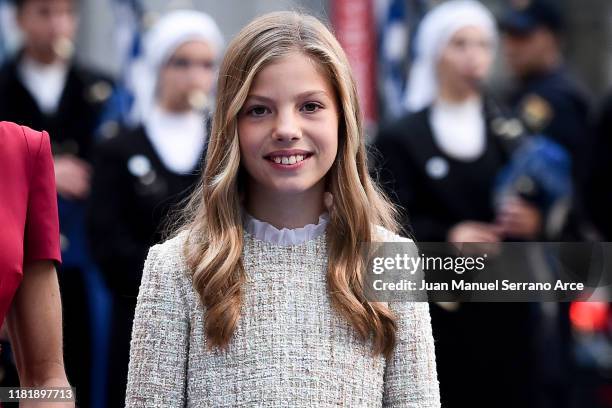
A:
x: 294, y: 70
x: 297, y: 59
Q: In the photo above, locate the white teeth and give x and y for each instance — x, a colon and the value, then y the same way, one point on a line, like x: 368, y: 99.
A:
x: 288, y: 159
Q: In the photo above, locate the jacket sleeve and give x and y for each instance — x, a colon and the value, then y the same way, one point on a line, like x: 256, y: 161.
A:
x: 160, y: 337
x: 411, y: 379
x: 410, y: 374
x: 41, y: 235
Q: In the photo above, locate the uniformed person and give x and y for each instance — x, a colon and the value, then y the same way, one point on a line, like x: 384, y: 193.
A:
x: 44, y: 88
x: 143, y: 173
x: 546, y: 97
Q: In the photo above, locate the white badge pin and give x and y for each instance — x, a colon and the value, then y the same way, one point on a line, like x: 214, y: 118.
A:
x: 436, y: 167
x: 139, y: 165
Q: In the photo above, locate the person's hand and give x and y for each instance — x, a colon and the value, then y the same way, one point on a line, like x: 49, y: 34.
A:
x: 72, y: 177
x: 519, y: 219
x: 474, y: 231
x: 474, y: 238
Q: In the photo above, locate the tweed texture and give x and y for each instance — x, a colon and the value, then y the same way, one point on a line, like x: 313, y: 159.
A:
x: 290, y: 349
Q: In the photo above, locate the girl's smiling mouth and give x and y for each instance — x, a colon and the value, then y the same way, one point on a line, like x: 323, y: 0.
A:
x: 288, y: 159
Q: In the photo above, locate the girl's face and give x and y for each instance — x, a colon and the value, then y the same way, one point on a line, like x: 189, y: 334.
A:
x: 288, y: 127
x: 466, y: 59
x: 189, y: 73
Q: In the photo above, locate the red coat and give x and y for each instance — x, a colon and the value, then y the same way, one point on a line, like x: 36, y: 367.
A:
x: 29, y: 226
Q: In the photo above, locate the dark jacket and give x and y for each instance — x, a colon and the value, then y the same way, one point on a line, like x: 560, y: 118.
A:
x: 132, y: 194
x: 406, y: 154
x: 71, y: 128
x: 480, y: 348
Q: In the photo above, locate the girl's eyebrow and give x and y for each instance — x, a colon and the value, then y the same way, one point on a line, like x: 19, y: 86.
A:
x: 308, y: 94
x: 302, y: 95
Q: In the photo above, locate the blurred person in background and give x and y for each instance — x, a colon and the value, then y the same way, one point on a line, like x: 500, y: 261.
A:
x: 451, y: 131
x: 441, y: 162
x: 29, y: 251
x: 142, y: 172
x: 546, y: 97
x: 44, y: 88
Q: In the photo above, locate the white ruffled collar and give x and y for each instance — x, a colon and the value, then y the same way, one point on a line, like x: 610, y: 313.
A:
x: 286, y: 236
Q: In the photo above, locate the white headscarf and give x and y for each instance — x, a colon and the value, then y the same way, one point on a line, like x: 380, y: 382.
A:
x: 435, y: 31
x: 160, y: 42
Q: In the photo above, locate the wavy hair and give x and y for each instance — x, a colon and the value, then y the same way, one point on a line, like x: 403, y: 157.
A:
x: 212, y: 217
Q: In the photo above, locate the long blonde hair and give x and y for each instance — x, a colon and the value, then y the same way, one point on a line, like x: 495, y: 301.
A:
x: 212, y: 218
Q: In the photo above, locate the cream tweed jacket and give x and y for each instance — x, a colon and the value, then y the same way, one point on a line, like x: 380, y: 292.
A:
x: 290, y: 349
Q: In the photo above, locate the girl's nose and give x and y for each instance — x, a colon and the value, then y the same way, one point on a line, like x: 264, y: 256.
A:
x: 287, y: 127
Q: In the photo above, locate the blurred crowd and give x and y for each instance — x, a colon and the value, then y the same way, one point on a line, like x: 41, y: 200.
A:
x: 464, y: 164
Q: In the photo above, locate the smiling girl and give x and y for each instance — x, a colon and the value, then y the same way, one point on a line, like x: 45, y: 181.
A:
x: 258, y: 299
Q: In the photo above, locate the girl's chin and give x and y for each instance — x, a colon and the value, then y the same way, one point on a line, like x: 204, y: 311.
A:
x: 293, y: 187
x: 291, y: 190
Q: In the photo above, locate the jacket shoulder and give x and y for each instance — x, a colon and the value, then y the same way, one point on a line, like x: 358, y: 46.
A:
x: 11, y: 127
x: 32, y: 138
x: 384, y: 235
x: 170, y: 253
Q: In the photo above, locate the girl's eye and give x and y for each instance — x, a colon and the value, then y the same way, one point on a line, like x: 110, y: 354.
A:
x: 311, y: 107
x: 257, y: 111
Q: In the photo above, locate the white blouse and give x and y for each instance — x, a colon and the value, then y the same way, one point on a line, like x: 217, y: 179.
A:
x: 459, y: 129
x: 178, y: 138
x: 267, y: 232
x: 45, y: 82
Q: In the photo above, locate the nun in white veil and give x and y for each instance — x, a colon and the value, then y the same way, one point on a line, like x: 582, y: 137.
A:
x: 455, y: 135
x: 454, y: 48
x: 172, y: 107
x: 434, y: 34
x: 440, y: 163
x: 147, y: 168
